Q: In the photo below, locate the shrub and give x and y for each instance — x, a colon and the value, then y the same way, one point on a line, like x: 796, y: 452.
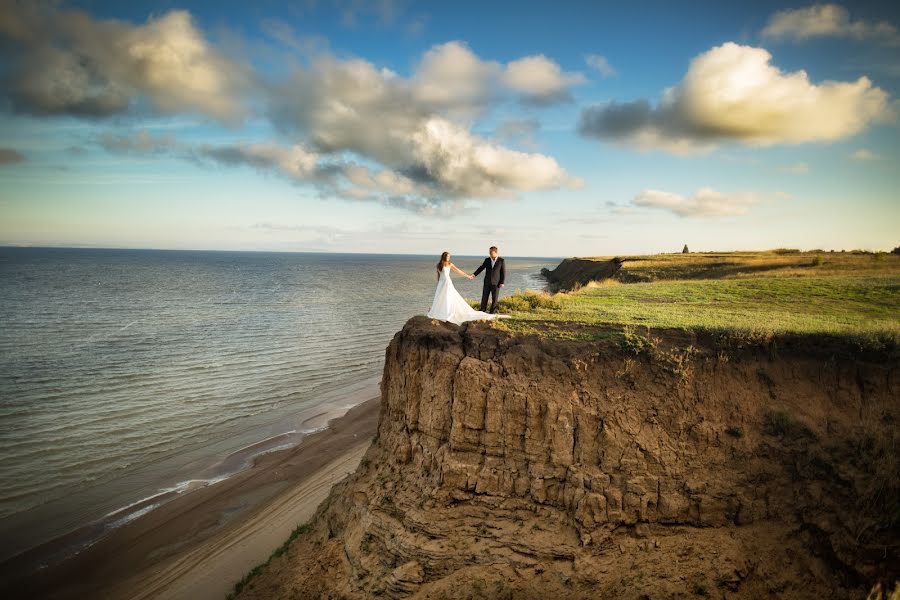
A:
x: 734, y: 432
x: 529, y: 301
x: 781, y: 424
x: 637, y: 343
x: 526, y: 301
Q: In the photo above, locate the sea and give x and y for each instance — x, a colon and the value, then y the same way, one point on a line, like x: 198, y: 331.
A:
x: 128, y: 377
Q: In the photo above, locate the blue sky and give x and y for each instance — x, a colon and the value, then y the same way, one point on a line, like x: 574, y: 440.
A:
x: 548, y: 129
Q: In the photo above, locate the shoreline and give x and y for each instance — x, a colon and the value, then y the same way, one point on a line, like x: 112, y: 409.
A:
x: 170, y: 534
x: 79, y: 520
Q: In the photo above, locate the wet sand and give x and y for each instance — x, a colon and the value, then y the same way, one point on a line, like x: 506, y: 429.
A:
x: 200, y: 544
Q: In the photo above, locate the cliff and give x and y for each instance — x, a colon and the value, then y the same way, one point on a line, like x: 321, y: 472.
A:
x: 511, y: 466
x: 573, y: 273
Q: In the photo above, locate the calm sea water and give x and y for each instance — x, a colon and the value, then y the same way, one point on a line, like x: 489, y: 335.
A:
x: 130, y: 375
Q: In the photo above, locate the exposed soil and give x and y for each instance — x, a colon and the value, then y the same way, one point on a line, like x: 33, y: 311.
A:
x: 510, y: 466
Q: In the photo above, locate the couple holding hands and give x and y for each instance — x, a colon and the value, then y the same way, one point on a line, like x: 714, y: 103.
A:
x: 448, y: 305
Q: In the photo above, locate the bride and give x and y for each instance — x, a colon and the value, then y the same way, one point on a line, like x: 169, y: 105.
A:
x: 448, y: 305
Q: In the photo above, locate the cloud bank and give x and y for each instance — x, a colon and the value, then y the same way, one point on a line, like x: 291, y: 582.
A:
x: 733, y: 92
x: 706, y: 202
x: 65, y: 62
x: 826, y: 20
x: 416, y: 128
x: 345, y: 126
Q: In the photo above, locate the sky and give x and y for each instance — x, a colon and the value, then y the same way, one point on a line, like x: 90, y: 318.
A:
x: 547, y: 129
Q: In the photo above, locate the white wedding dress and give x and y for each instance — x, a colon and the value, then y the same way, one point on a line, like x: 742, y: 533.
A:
x: 448, y: 305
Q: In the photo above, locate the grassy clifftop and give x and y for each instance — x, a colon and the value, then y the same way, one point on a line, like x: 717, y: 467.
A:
x: 739, y: 293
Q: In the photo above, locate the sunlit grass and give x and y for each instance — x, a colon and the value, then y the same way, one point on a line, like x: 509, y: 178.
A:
x: 772, y: 263
x: 855, y: 295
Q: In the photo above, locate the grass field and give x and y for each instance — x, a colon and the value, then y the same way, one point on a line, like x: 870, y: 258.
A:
x: 761, y: 293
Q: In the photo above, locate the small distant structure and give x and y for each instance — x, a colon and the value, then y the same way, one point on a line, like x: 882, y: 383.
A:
x: 685, y: 250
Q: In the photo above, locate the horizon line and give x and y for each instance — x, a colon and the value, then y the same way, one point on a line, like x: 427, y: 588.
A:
x: 62, y: 247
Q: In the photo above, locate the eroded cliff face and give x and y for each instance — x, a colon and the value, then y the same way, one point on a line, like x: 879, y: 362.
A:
x: 511, y: 466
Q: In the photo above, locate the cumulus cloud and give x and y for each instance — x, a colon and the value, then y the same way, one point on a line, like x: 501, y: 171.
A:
x: 826, y: 20
x: 294, y: 162
x: 706, y: 202
x: 456, y: 82
x: 407, y: 125
x: 8, y: 156
x: 345, y: 126
x: 453, y: 166
x: 600, y: 64
x: 65, y: 62
x: 733, y: 92
x: 540, y: 80
x: 331, y: 177
x: 448, y: 162
x: 468, y: 166
x: 452, y: 79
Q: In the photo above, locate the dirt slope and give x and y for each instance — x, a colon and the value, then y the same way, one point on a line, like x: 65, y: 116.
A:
x: 518, y: 467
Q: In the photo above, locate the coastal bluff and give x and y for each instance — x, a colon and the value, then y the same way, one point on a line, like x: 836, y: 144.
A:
x: 672, y: 465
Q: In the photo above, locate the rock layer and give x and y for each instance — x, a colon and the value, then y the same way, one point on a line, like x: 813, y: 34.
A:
x: 520, y: 467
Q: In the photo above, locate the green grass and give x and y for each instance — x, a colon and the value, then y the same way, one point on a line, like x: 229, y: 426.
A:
x: 772, y: 263
x: 864, y: 306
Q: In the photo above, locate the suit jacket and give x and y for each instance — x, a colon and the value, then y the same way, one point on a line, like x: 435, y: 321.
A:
x: 493, y: 275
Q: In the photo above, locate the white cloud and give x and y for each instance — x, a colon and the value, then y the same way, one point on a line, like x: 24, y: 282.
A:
x: 65, y: 62
x: 332, y: 178
x: 294, y: 162
x: 454, y: 81
x: 451, y: 79
x: 407, y: 126
x: 826, y: 20
x: 706, y: 202
x: 347, y: 127
x: 468, y: 166
x: 600, y: 64
x: 800, y: 168
x: 540, y: 80
x: 348, y: 105
x: 864, y: 155
x: 733, y: 92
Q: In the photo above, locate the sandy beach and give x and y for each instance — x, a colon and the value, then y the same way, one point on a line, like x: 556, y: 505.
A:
x: 200, y: 544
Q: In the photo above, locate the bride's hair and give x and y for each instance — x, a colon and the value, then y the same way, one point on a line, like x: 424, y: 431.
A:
x: 445, y: 260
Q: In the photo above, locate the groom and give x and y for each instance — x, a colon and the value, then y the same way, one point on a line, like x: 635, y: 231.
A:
x: 494, y: 278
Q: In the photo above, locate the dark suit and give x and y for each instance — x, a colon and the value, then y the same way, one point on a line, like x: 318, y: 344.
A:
x: 494, y: 277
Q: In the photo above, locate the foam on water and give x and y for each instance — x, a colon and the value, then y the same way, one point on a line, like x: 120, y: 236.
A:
x: 127, y: 376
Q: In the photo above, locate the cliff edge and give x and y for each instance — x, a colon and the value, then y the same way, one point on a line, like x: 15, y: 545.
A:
x: 574, y: 273
x: 512, y: 466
